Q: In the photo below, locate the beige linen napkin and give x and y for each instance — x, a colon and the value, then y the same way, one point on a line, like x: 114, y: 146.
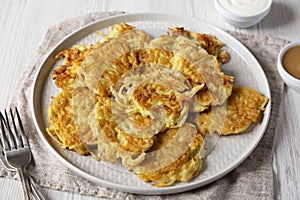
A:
x: 251, y: 180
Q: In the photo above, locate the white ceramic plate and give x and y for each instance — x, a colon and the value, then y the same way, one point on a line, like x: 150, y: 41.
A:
x: 227, y: 154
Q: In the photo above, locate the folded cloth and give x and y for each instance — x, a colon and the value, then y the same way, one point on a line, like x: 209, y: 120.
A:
x: 251, y: 180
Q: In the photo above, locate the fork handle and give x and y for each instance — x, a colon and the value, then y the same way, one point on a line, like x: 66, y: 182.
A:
x: 25, y: 184
x: 35, y: 191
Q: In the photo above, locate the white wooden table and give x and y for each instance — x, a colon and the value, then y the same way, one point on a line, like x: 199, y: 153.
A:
x: 23, y: 25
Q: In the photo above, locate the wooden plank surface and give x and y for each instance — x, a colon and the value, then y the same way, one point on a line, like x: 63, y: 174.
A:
x: 23, y: 25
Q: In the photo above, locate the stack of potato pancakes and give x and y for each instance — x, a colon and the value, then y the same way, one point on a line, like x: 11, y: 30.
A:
x: 148, y: 102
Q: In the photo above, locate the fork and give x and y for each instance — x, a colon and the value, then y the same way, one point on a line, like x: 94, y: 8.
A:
x: 16, y: 148
x: 36, y: 193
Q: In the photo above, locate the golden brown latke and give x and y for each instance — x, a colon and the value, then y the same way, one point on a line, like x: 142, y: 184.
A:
x: 221, y: 84
x: 114, y: 134
x: 175, y: 156
x: 128, y: 61
x: 65, y: 74
x: 61, y: 123
x: 156, y: 92
x: 209, y: 42
x: 243, y: 107
x: 198, y: 67
x: 149, y: 94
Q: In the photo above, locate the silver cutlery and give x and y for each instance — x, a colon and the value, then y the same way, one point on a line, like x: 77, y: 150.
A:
x: 15, y: 153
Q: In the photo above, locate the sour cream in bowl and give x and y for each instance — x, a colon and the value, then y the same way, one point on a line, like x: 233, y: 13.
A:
x: 243, y: 13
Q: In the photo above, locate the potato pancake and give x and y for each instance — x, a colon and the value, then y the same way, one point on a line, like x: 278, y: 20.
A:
x: 243, y: 108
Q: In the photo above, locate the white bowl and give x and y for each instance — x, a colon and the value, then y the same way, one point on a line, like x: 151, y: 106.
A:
x: 290, y: 80
x: 242, y: 20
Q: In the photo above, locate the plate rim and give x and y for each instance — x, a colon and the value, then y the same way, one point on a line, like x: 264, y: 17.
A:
x: 136, y: 189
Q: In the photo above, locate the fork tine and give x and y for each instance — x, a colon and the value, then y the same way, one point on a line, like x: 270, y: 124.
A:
x: 4, y: 140
x: 2, y: 155
x: 16, y: 135
x: 12, y: 142
x: 24, y: 138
